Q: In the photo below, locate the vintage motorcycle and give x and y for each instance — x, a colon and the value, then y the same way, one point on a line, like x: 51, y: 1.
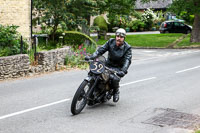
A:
x: 95, y: 88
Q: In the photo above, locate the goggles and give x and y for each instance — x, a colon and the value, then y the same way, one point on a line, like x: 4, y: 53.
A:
x: 120, y: 34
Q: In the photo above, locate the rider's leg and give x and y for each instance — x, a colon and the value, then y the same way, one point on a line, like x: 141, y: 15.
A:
x: 115, y: 86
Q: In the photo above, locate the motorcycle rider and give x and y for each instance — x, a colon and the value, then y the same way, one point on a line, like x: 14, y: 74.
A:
x: 119, y: 58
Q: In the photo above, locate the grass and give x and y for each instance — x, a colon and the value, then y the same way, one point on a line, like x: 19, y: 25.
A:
x: 153, y: 40
x: 197, y: 131
x: 186, y: 42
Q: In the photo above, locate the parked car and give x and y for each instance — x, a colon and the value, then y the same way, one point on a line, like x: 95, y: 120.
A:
x: 174, y: 27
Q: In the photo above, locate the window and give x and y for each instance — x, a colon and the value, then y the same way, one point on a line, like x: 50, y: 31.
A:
x: 176, y: 24
x: 182, y: 25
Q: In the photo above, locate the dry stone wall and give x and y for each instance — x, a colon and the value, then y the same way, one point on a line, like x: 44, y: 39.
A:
x: 19, y: 65
x: 14, y: 66
x: 49, y: 61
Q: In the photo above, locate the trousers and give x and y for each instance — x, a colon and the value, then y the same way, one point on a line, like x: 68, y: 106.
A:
x: 114, y: 82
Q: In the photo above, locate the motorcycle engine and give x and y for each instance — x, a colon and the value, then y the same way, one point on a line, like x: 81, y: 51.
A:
x: 103, y: 86
x: 105, y: 76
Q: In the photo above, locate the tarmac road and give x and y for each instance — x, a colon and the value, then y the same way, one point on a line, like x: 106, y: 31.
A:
x: 159, y: 81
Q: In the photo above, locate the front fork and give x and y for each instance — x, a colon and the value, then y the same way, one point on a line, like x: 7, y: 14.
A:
x: 89, y: 79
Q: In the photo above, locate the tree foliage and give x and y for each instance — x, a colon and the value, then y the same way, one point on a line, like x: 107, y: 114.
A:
x: 68, y: 14
x: 190, y: 7
x: 119, y: 7
x: 10, y: 41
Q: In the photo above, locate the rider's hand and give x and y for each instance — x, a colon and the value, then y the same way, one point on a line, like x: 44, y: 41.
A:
x: 120, y: 74
x: 87, y: 58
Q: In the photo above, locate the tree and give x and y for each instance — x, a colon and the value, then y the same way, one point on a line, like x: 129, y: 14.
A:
x: 73, y: 13
x: 67, y: 13
x: 191, y: 7
x: 52, y: 13
x: 83, y: 9
x: 119, y: 7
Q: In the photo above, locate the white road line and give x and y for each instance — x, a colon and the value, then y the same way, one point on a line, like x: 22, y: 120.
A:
x: 61, y: 101
x: 188, y: 69
x: 137, y: 81
x: 32, y: 109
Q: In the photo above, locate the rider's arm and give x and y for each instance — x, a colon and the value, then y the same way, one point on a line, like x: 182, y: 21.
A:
x: 127, y: 60
x: 101, y: 50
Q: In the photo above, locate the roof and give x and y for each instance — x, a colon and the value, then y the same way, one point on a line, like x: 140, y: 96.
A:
x: 159, y: 4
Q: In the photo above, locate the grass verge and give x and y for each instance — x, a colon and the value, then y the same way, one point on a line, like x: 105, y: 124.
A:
x: 155, y: 40
x: 186, y: 43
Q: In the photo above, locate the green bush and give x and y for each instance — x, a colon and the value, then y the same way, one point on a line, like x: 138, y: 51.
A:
x: 75, y: 38
x: 10, y: 41
x: 137, y: 25
x: 101, y: 23
x: 147, y: 17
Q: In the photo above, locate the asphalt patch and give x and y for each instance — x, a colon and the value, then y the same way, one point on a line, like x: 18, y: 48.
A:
x: 175, y: 119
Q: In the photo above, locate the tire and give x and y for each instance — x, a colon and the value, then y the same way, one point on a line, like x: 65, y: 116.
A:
x: 166, y: 32
x: 188, y: 32
x: 80, y: 100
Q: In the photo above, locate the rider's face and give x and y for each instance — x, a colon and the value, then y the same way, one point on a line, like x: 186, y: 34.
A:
x: 119, y: 40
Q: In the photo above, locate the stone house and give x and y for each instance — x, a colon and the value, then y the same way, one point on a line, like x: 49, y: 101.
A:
x: 17, y: 12
x: 156, y: 5
x: 140, y: 7
x: 159, y: 5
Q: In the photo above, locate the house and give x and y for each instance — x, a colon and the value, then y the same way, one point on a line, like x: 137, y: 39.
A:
x: 159, y: 5
x: 17, y: 12
x: 156, y: 5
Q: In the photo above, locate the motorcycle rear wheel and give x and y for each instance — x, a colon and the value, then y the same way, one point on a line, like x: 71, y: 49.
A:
x: 80, y: 98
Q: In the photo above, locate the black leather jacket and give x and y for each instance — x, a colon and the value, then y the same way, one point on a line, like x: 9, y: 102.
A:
x: 118, y: 57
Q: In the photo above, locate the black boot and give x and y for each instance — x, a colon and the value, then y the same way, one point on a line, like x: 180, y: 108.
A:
x: 116, y: 96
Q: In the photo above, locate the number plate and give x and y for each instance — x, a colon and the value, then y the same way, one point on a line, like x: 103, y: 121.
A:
x: 97, y: 67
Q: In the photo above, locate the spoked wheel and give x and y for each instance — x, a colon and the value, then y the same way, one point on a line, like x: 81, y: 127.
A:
x: 80, y: 100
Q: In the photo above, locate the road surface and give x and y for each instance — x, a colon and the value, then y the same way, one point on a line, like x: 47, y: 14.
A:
x: 161, y: 83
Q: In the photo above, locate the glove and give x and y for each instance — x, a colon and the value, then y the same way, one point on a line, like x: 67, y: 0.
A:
x: 87, y: 58
x: 120, y: 74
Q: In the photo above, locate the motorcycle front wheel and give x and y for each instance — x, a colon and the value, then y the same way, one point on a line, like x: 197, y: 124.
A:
x: 80, y: 98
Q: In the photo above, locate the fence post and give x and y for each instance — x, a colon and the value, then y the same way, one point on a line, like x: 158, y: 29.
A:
x: 35, y: 50
x: 21, y: 47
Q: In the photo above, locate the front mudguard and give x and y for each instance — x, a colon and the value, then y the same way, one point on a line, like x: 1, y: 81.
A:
x: 93, y: 80
x: 88, y: 78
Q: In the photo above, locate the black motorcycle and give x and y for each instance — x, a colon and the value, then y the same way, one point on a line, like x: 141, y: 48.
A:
x: 95, y: 88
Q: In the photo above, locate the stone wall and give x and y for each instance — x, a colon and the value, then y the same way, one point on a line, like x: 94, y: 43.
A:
x: 49, y: 61
x: 19, y: 65
x: 16, y: 12
x: 14, y: 66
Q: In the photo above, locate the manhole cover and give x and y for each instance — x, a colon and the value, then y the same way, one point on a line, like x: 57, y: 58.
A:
x: 171, y: 117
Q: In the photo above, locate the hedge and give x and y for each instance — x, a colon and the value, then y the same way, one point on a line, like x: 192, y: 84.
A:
x: 77, y: 38
x: 101, y: 23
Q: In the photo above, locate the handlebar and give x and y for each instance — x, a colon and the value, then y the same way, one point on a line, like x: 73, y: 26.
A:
x: 86, y: 60
x: 107, y: 68
x: 111, y: 70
